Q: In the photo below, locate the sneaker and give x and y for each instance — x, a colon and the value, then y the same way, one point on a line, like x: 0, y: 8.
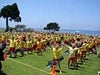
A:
x: 60, y: 71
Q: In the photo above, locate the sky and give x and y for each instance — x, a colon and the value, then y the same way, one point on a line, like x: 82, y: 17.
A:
x: 69, y: 14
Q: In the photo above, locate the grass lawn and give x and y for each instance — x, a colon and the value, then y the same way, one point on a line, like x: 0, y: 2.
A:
x: 36, y: 65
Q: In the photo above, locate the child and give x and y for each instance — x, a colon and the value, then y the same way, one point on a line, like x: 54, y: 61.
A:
x: 56, y: 54
x: 72, y: 55
x: 18, y: 48
x: 39, y: 44
x: 29, y: 45
x: 12, y: 47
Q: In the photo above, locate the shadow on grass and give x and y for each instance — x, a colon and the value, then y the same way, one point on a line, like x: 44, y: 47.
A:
x: 2, y: 73
x: 87, y: 59
x: 78, y: 68
x: 59, y: 71
x: 80, y: 63
x: 72, y: 68
x: 81, y: 67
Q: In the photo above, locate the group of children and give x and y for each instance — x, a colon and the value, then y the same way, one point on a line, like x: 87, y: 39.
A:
x: 21, y: 42
x: 78, y: 45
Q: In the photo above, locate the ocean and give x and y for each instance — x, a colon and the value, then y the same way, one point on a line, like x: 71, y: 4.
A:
x: 87, y: 32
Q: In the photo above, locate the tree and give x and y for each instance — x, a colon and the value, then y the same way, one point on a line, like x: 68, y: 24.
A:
x: 10, y: 12
x: 29, y: 30
x: 52, y: 27
x: 20, y: 27
x: 11, y: 29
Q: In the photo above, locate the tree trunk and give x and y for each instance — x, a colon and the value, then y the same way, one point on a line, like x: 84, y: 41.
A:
x: 7, y: 26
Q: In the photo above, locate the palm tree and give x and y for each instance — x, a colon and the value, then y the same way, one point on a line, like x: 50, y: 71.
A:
x: 10, y: 12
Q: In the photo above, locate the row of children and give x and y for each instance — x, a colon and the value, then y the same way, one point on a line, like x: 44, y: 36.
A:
x: 20, y: 42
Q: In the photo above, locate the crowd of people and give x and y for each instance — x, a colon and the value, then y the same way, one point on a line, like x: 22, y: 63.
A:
x: 78, y: 45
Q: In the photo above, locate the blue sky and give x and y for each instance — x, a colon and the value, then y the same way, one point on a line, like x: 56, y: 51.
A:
x: 69, y: 14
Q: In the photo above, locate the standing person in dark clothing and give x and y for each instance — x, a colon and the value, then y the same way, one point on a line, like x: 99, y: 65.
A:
x: 2, y: 47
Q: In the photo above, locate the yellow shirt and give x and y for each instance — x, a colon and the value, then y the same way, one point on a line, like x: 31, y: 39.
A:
x: 18, y: 44
x: 29, y: 44
x: 12, y: 43
x: 90, y: 45
x: 38, y: 44
x: 79, y: 51
x: 43, y: 41
x: 56, y: 53
x: 22, y: 44
x: 72, y: 51
x: 3, y: 37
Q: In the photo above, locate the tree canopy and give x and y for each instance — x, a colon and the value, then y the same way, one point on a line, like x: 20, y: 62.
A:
x: 20, y: 27
x: 10, y: 12
x: 52, y: 27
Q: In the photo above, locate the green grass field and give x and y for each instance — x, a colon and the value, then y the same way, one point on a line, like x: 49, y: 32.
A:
x: 36, y: 65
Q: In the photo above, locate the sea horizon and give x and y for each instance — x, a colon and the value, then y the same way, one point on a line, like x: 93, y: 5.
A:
x: 88, y: 32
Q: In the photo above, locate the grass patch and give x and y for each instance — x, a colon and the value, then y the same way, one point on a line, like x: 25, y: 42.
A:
x: 90, y: 67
